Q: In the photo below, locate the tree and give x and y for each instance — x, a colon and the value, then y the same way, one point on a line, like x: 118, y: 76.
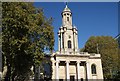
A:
x: 117, y: 76
x: 108, y: 48
x: 0, y: 56
x: 26, y: 34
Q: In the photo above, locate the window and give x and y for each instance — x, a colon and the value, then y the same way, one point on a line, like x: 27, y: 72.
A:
x: 67, y: 18
x: 69, y: 44
x: 69, y: 36
x: 93, y: 68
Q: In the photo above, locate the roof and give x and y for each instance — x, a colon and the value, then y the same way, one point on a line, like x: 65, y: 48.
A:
x: 66, y: 9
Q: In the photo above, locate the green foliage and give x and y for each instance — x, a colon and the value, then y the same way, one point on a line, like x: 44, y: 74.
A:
x: 118, y: 39
x: 108, y: 48
x: 26, y: 34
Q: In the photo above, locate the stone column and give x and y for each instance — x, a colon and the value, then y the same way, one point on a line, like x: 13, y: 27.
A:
x: 57, y: 71
x: 78, y: 70
x: 67, y: 70
x: 65, y: 41
x: 74, y: 40
x: 63, y: 46
x: 61, y: 40
x: 58, y: 42
x: 53, y: 70
x: 88, y: 70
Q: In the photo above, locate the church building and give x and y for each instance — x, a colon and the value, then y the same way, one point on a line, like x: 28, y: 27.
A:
x: 68, y: 63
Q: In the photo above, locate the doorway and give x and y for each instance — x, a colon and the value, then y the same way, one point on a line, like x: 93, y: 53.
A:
x: 72, y: 78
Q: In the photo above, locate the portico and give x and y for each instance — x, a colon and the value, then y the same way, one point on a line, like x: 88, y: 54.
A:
x: 67, y: 70
x: 68, y: 67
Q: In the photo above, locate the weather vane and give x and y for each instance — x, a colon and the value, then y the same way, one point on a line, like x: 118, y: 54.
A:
x: 66, y: 2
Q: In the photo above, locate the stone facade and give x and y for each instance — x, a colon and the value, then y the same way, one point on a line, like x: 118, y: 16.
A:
x: 68, y: 63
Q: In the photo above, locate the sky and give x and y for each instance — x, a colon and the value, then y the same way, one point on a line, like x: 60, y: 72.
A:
x: 90, y: 18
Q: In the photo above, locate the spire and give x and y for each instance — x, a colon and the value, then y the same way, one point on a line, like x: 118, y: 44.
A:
x: 66, y: 7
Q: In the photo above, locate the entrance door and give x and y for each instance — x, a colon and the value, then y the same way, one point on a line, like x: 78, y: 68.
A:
x: 72, y: 78
x: 60, y: 79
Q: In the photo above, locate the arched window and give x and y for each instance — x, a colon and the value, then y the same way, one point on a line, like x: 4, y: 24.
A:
x: 93, y: 68
x: 69, y: 44
x: 67, y: 18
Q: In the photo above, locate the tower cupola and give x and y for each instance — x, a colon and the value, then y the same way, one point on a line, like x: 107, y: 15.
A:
x: 66, y: 9
x: 67, y: 17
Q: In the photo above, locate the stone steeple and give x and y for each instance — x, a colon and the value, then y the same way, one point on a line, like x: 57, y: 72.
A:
x: 67, y: 35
